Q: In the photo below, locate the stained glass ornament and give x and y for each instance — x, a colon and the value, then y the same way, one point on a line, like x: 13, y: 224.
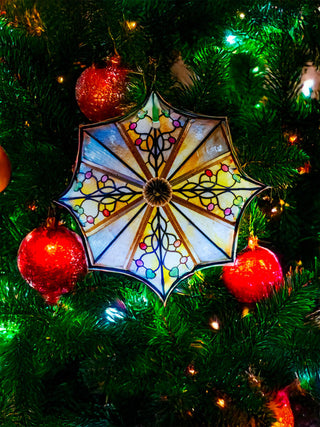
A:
x: 158, y: 194
x: 52, y: 259
x: 254, y: 275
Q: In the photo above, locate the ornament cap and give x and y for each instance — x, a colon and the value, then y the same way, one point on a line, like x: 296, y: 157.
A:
x: 51, y: 222
x: 253, y: 242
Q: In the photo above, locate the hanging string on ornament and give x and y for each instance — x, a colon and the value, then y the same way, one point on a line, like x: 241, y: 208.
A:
x: 51, y: 258
x: 254, y: 275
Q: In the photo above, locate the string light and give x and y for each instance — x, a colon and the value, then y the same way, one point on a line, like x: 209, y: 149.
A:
x: 242, y: 15
x: 245, y: 312
x: 221, y: 402
x: 132, y: 25
x: 231, y: 39
x: 32, y: 206
x: 307, y: 87
x: 116, y: 311
x: 8, y: 330
x: 190, y: 413
x: 215, y: 324
x: 293, y: 139
x: 305, y: 168
x: 191, y: 370
x: 255, y: 70
x: 60, y: 79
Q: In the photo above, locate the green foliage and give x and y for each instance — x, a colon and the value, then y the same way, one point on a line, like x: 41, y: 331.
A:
x: 155, y: 365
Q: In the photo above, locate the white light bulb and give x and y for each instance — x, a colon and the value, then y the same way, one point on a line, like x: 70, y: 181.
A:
x: 112, y: 314
x: 231, y: 39
x: 307, y: 87
x: 215, y: 325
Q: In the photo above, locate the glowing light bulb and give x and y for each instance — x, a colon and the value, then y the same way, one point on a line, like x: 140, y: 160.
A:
x: 307, y: 87
x: 221, y: 403
x: 242, y: 15
x: 231, y: 39
x: 60, y: 79
x: 116, y: 311
x: 255, y: 70
x: 32, y: 206
x: 293, y: 139
x: 112, y: 314
x: 131, y: 25
x: 191, y: 370
x: 215, y: 325
x: 245, y: 312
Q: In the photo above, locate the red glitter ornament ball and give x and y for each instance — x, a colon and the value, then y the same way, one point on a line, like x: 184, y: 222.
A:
x: 5, y: 169
x: 100, y: 90
x: 52, y: 259
x: 282, y: 410
x: 255, y: 273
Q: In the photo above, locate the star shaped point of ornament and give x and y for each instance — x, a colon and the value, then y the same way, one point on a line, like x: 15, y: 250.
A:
x: 158, y: 194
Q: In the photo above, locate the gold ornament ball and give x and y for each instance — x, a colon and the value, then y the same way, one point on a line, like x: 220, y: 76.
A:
x: 5, y: 169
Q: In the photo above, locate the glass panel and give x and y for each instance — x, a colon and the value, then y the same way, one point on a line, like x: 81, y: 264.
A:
x: 212, y: 147
x: 219, y: 189
x: 96, y: 196
x: 122, y: 162
x: 110, y: 246
x: 211, y: 239
x: 154, y: 130
x: 161, y: 256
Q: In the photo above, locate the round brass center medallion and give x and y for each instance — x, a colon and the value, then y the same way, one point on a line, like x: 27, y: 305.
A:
x: 157, y: 192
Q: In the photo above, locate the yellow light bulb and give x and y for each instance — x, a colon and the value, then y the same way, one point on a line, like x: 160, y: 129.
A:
x: 245, y: 311
x: 215, y: 325
x: 293, y: 138
x: 191, y: 370
x: 221, y: 403
x: 131, y: 25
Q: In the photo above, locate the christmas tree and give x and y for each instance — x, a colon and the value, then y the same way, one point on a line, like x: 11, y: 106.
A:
x: 232, y: 345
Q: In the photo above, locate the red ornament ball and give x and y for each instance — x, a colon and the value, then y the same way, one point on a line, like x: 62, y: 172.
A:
x: 100, y: 90
x: 5, y: 169
x: 282, y: 410
x: 52, y: 259
x: 255, y: 273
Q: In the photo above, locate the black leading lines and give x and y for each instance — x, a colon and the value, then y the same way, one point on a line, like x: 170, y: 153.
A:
x: 200, y: 231
x: 116, y: 156
x: 195, y: 150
